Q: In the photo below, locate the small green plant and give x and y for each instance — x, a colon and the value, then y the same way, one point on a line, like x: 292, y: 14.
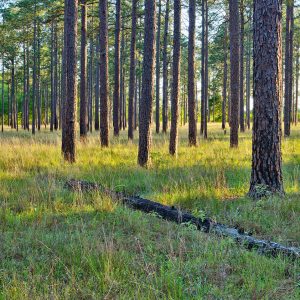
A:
x: 200, y: 214
x: 262, y: 190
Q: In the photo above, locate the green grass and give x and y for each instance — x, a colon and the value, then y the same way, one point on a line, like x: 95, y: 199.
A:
x: 55, y: 244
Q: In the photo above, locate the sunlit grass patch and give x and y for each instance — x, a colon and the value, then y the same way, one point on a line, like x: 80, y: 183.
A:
x: 62, y: 245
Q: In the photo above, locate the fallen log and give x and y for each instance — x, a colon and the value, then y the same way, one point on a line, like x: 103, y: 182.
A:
x: 173, y: 214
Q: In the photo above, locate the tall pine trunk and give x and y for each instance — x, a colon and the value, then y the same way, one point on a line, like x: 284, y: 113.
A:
x: 225, y: 74
x: 52, y: 120
x: 242, y: 117
x: 97, y: 84
x: 69, y: 143
x: 83, y: 71
x: 116, y: 102
x: 55, y: 77
x: 157, y: 108
x: 176, y: 79
x: 266, y: 174
x: 2, y: 85
x: 206, y: 98
x: 297, y: 88
x: 132, y: 79
x: 34, y: 71
x: 202, y: 67
x: 38, y: 96
x: 234, y: 70
x: 13, y: 95
x: 288, y: 67
x: 147, y: 84
x: 63, y: 81
x: 104, y: 128
x: 165, y: 70
x: 191, y: 75
x: 91, y: 84
x: 248, y: 78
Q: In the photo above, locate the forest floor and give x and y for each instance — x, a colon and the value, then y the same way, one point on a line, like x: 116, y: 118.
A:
x: 55, y: 244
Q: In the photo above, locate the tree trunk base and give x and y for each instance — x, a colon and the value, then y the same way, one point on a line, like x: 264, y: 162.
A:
x: 260, y: 191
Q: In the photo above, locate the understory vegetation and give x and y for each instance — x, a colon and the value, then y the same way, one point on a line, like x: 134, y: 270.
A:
x: 56, y: 244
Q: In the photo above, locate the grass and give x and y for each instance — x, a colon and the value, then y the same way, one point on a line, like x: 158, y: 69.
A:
x: 55, y: 244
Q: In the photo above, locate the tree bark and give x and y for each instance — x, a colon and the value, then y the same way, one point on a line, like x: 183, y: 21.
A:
x: 116, y: 103
x: 297, y: 88
x: 206, y: 98
x: 97, y: 84
x: 27, y: 87
x: 248, y: 79
x: 69, y: 149
x: 34, y: 72
x: 24, y: 87
x: 132, y: 80
x: 176, y: 79
x: 225, y: 74
x: 165, y: 70
x: 83, y: 72
x: 2, y: 85
x: 266, y: 177
x: 191, y: 75
x: 52, y: 109
x: 13, y: 95
x: 242, y: 117
x: 202, y: 67
x: 157, y: 109
x: 63, y: 80
x: 234, y: 70
x: 91, y: 84
x: 288, y: 67
x: 147, y: 83
x: 104, y: 127
x: 136, y: 102
x: 8, y: 104
x: 122, y: 80
x: 38, y: 81
x: 55, y: 77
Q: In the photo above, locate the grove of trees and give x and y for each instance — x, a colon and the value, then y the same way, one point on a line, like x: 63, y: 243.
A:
x: 133, y: 64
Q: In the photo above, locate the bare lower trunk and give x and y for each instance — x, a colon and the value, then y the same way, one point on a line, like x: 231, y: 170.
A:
x: 91, y: 84
x: 234, y: 70
x: 191, y: 75
x: 157, y: 108
x: 297, y: 88
x: 165, y: 70
x: 116, y: 101
x: 69, y: 143
x: 97, y: 84
x: 55, y: 77
x: 132, y: 94
x: 202, y: 67
x: 104, y: 127
x: 266, y: 177
x: 147, y: 84
x: 206, y: 104
x: 242, y: 118
x: 225, y: 74
x: 2, y: 110
x: 176, y: 79
x: 248, y: 79
x: 34, y: 72
x: 38, y: 83
x: 83, y: 71
x: 288, y: 67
